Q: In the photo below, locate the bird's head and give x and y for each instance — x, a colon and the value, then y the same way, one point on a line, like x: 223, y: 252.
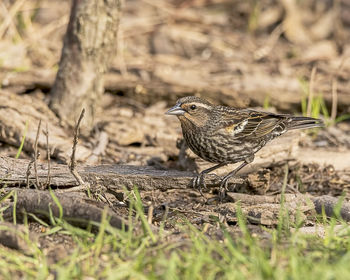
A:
x: 192, y: 110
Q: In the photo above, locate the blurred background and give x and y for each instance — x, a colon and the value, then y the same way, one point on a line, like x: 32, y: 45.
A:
x: 243, y: 53
x: 287, y: 56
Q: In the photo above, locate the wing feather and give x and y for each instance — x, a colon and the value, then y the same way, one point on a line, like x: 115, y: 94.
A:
x: 250, y: 123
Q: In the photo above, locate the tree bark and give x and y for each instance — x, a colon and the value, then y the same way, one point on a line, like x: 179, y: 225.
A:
x: 89, y: 44
x: 113, y: 177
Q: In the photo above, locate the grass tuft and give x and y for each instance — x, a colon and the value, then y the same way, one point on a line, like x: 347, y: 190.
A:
x: 190, y: 253
x: 317, y: 105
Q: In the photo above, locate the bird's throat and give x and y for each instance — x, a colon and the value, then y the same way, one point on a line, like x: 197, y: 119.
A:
x: 193, y: 122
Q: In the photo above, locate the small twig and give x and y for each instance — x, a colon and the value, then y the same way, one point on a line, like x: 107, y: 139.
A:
x: 334, y: 98
x: 48, y: 181
x: 36, y: 155
x: 72, y: 165
x: 30, y: 164
x: 335, y: 90
x: 106, y: 199
x: 150, y: 214
x: 311, y: 91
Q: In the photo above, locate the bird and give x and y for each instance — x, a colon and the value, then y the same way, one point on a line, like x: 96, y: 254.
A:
x: 226, y: 135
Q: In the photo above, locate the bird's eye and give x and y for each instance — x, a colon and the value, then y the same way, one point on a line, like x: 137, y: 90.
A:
x: 193, y: 107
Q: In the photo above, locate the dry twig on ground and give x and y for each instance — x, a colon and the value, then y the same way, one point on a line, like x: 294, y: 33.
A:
x: 72, y: 165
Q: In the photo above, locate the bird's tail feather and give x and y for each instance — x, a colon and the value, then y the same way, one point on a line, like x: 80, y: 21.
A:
x: 304, y: 122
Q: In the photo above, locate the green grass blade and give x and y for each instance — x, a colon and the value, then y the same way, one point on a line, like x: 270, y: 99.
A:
x: 22, y: 141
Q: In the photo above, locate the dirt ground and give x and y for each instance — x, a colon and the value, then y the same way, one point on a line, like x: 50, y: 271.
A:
x: 281, y: 56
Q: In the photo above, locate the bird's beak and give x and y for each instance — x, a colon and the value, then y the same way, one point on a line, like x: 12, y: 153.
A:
x: 176, y: 110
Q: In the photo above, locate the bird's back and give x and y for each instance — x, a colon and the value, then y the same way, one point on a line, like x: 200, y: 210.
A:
x: 232, y: 135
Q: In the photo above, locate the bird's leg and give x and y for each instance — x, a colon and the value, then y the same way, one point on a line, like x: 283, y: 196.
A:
x: 223, y: 185
x: 198, y: 181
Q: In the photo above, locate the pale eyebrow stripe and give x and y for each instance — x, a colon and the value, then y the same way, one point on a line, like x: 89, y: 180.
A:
x: 201, y: 105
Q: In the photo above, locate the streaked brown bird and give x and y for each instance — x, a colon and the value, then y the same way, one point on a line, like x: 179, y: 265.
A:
x: 225, y: 135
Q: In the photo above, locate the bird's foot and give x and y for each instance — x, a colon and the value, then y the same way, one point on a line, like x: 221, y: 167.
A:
x: 223, y: 188
x: 198, y: 182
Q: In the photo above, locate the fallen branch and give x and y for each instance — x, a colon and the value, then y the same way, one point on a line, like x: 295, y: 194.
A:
x: 112, y: 177
x: 75, y: 209
x: 115, y: 178
x: 318, y: 230
x: 326, y: 202
x: 329, y: 204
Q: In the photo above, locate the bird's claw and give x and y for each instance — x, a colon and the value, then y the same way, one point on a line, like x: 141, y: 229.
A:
x: 223, y: 189
x: 198, y: 182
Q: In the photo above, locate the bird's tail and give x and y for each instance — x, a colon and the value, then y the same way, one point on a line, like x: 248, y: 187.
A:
x: 304, y: 122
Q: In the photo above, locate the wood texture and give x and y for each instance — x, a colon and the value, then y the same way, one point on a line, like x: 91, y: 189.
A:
x: 260, y: 209
x: 75, y: 209
x: 113, y: 177
x: 89, y: 44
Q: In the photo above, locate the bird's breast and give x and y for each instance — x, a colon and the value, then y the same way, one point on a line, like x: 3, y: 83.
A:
x: 217, y: 147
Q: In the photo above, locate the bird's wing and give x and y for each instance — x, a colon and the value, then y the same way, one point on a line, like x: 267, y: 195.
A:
x: 255, y: 124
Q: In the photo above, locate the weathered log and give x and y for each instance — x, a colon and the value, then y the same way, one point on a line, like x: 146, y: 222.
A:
x: 260, y: 209
x: 75, y: 209
x: 113, y: 177
x: 329, y: 204
x: 325, y: 203
x: 319, y: 230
